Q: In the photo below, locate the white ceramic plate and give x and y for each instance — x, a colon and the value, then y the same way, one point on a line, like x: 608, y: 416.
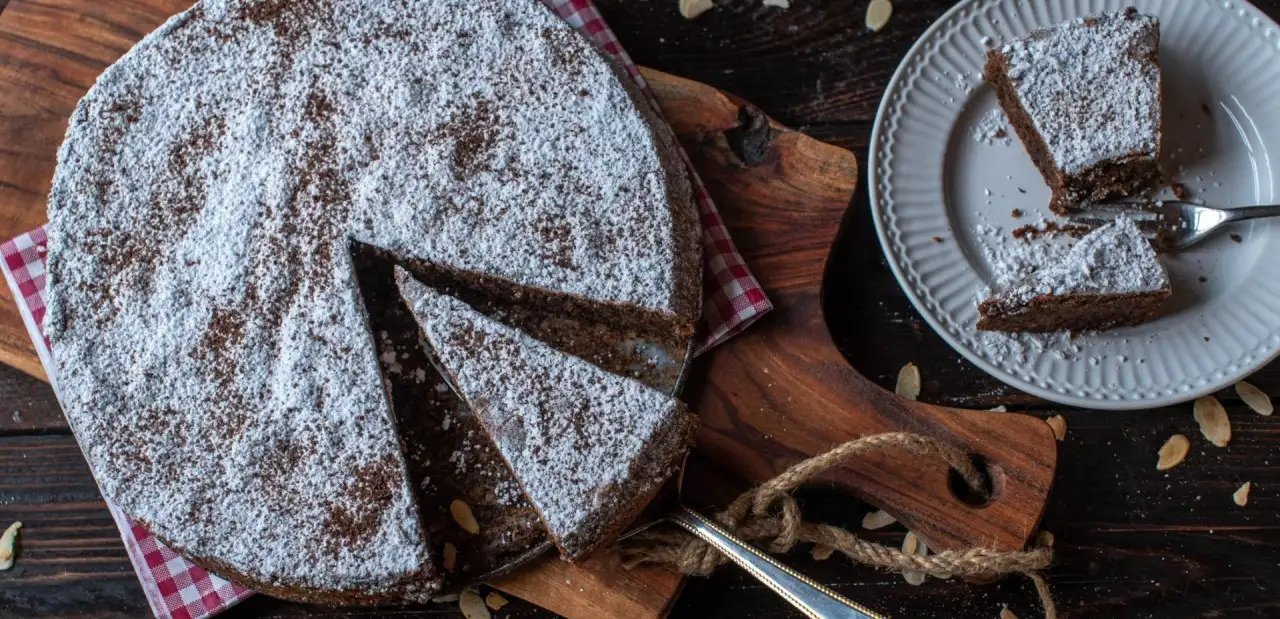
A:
x: 930, y: 178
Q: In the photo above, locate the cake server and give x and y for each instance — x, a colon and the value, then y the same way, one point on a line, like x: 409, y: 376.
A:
x: 1169, y: 224
x: 810, y: 597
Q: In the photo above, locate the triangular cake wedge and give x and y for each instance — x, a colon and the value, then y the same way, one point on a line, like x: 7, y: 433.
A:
x: 589, y: 448
x: 1109, y: 278
x: 1084, y: 97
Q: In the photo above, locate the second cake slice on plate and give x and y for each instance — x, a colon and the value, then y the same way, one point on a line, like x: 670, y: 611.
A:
x: 1110, y: 278
x: 589, y: 448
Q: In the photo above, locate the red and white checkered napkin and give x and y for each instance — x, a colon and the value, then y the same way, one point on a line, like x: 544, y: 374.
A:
x: 177, y: 589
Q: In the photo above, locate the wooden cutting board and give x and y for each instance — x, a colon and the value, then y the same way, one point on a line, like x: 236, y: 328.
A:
x: 770, y: 397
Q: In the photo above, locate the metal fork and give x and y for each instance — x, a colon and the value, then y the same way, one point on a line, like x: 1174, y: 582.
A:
x: 1169, y: 224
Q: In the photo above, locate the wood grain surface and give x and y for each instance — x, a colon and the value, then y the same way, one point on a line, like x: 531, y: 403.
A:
x: 1132, y: 542
x: 781, y: 392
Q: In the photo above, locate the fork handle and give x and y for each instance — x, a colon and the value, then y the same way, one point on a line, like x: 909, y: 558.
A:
x: 809, y: 597
x: 1252, y: 212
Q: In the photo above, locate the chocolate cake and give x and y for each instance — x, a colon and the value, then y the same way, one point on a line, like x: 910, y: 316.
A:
x: 1084, y: 97
x: 589, y: 448
x: 210, y: 342
x: 1110, y: 278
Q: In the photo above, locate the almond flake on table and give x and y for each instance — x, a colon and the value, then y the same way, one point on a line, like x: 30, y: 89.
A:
x: 495, y: 600
x: 1173, y: 452
x: 908, y: 382
x: 878, y: 14
x: 878, y: 519
x: 472, y: 606
x: 1045, y: 539
x: 1212, y: 417
x: 693, y: 8
x: 450, y: 556
x: 6, y: 545
x: 462, y: 515
x: 913, y: 545
x: 1241, y: 495
x: 1255, y: 398
x: 1059, y: 426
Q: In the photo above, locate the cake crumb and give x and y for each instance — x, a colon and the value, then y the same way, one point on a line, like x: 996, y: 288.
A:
x: 1236, y: 237
x: 1203, y: 279
x: 1017, y: 213
x: 1179, y: 191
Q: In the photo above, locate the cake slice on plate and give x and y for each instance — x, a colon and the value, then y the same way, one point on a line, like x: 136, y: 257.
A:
x: 1110, y: 278
x: 589, y: 448
x: 1084, y: 98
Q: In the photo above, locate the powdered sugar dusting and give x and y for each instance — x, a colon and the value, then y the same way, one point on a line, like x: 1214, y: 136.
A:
x: 1091, y: 86
x: 992, y: 128
x: 210, y: 342
x: 588, y: 447
x: 1114, y: 259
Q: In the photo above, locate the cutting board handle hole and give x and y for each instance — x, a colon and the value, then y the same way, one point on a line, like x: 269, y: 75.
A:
x: 974, y: 497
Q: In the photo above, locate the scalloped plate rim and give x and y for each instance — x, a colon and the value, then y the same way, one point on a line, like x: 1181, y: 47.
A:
x: 878, y: 212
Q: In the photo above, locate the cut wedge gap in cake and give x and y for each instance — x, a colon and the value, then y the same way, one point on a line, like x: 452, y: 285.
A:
x: 589, y: 448
x: 1084, y: 97
x: 1110, y: 278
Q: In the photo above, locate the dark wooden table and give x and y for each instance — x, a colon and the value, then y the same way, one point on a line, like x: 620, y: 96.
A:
x: 1132, y: 542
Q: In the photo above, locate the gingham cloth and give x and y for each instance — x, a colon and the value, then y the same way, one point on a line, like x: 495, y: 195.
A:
x: 177, y: 589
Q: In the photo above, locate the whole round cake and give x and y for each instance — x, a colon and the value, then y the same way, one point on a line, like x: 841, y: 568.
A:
x: 209, y: 337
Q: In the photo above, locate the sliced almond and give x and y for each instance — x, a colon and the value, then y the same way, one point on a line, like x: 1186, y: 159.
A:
x: 908, y: 382
x: 1059, y: 426
x: 1005, y: 613
x: 1241, y: 496
x: 999, y: 409
x: 910, y: 543
x: 693, y: 8
x: 472, y: 606
x: 821, y: 552
x: 878, y: 14
x: 878, y: 519
x: 1044, y: 539
x: 6, y: 545
x: 1213, y: 421
x: 462, y: 515
x: 913, y: 545
x: 1255, y: 398
x: 1173, y: 452
x: 782, y: 4
x: 450, y: 556
x: 495, y: 600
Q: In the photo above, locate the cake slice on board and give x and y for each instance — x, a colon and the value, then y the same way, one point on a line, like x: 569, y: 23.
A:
x: 1084, y: 98
x: 589, y: 448
x: 1110, y: 278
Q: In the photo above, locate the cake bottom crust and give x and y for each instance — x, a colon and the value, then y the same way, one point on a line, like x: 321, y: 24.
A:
x: 1071, y: 312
